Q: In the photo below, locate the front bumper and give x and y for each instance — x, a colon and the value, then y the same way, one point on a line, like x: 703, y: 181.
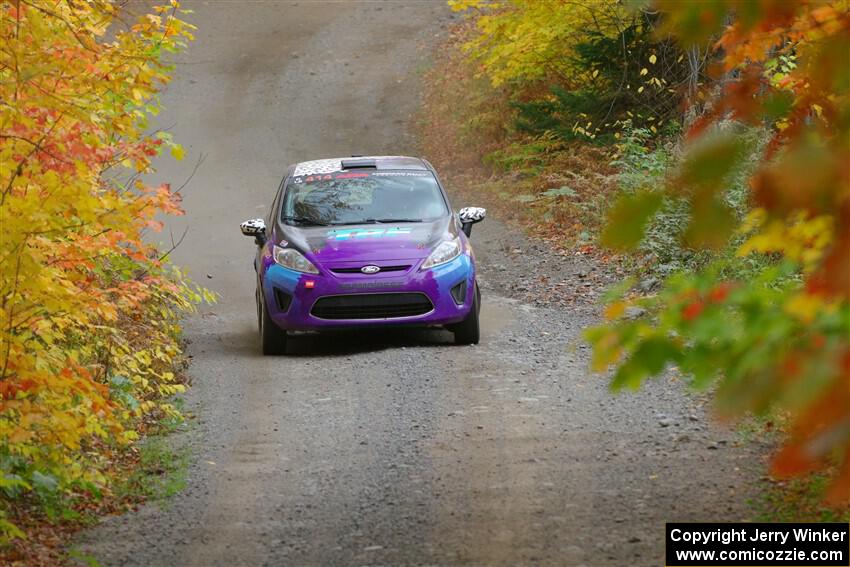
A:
x: 291, y: 296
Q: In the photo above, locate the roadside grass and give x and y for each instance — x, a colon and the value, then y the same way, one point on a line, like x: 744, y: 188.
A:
x: 152, y: 470
x: 766, y: 428
x: 160, y: 473
x: 795, y: 500
x: 798, y: 500
x: 161, y: 463
x: 83, y: 558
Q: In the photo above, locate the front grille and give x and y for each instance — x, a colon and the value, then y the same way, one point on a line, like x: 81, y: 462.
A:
x: 383, y: 269
x: 372, y: 306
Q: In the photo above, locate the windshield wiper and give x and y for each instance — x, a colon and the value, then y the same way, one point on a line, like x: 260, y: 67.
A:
x: 375, y: 221
x: 304, y: 220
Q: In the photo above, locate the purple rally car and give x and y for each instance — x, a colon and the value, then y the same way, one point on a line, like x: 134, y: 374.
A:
x: 364, y: 242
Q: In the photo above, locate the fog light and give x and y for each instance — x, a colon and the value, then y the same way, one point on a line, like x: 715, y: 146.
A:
x: 282, y: 299
x: 459, y: 292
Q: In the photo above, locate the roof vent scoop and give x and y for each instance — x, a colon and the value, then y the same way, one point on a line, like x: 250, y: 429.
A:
x: 359, y: 164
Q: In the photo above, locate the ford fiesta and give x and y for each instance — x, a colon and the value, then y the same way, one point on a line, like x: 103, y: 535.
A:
x: 364, y: 242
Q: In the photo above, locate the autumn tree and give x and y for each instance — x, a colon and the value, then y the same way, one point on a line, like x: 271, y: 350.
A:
x: 88, y: 308
x: 777, y: 340
x: 584, y: 69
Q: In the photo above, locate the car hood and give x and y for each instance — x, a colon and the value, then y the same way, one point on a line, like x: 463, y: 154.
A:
x: 369, y: 242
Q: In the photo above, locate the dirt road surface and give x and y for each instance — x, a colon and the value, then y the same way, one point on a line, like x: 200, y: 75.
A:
x: 393, y: 448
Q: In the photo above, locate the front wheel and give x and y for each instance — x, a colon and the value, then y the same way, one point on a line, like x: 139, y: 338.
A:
x: 467, y: 331
x: 272, y: 337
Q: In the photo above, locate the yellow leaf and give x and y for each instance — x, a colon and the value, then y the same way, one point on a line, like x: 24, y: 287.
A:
x: 644, y: 71
x: 615, y: 310
x: 653, y: 59
x: 178, y: 152
x: 804, y: 306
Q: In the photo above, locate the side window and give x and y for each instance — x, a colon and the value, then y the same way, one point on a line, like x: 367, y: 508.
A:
x: 443, y: 193
x: 272, y: 216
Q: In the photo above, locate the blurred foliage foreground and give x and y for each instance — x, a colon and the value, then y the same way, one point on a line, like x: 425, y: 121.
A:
x: 89, y: 311
x: 729, y: 123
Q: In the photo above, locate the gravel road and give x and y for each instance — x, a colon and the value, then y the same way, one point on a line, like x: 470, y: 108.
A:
x: 392, y: 448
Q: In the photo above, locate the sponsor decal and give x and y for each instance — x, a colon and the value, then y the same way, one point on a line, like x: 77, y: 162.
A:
x: 351, y: 175
x: 315, y: 178
x: 370, y: 285
x: 364, y: 233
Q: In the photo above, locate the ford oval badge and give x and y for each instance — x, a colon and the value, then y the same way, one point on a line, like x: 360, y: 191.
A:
x: 370, y: 269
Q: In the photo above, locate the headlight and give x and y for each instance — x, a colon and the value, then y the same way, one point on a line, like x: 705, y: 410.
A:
x: 294, y: 260
x: 447, y: 250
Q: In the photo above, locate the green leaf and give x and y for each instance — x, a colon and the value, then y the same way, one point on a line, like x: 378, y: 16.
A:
x: 10, y: 531
x: 11, y: 483
x: 628, y: 217
x: 44, y: 482
x: 628, y: 375
x: 712, y: 222
x: 777, y: 105
x: 710, y: 160
x: 650, y: 358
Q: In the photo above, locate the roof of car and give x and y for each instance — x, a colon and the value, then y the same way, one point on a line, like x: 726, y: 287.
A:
x: 333, y: 165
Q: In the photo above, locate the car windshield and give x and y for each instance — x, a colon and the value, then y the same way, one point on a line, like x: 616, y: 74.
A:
x: 362, y: 197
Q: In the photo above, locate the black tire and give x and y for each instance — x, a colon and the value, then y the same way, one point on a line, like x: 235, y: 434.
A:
x: 467, y: 331
x: 272, y: 337
x: 258, y: 298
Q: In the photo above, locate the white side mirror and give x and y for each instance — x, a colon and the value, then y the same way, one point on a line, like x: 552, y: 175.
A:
x: 469, y: 216
x: 253, y: 227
